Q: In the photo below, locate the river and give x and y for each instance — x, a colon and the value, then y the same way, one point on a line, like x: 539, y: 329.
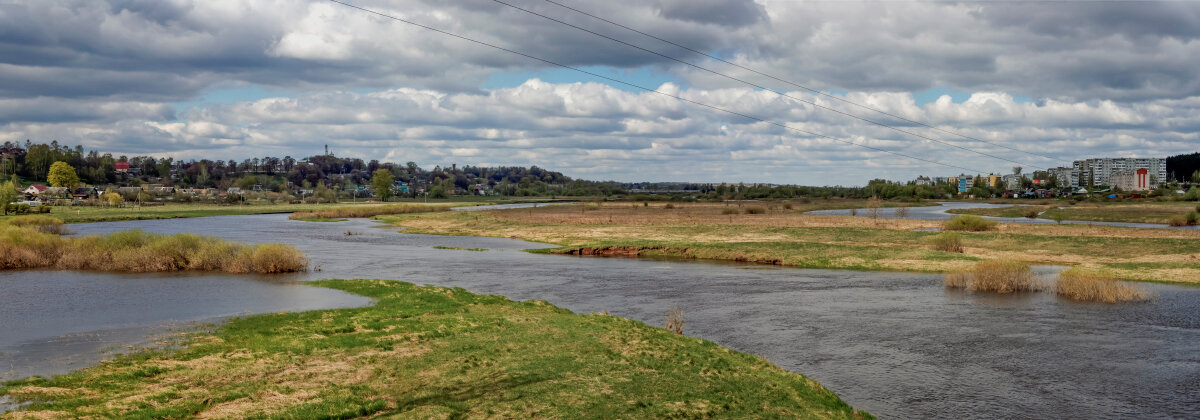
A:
x: 898, y: 345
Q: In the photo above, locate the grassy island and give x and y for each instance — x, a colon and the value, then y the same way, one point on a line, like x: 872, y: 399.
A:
x: 791, y: 237
x: 432, y: 352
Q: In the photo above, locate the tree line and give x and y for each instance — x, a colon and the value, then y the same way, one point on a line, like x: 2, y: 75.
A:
x: 33, y: 161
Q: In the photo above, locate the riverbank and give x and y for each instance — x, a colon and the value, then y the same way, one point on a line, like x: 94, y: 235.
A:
x: 433, y: 352
x: 1154, y: 212
x: 90, y: 214
x: 790, y: 237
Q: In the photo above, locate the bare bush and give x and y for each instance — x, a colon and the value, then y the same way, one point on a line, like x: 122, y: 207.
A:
x: 675, y: 319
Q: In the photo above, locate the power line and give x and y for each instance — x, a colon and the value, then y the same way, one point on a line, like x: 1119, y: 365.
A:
x: 815, y: 91
x: 780, y: 93
x: 713, y: 107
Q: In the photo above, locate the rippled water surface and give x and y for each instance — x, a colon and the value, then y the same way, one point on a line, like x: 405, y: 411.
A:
x: 897, y: 345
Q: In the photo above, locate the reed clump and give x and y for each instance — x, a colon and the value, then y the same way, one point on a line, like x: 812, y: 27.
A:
x: 969, y: 223
x: 365, y: 211
x: 42, y: 223
x: 27, y: 247
x: 947, y: 242
x: 1090, y: 286
x: 729, y: 210
x: 996, y: 276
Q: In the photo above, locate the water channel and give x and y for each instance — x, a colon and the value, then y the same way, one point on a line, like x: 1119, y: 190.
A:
x: 897, y: 345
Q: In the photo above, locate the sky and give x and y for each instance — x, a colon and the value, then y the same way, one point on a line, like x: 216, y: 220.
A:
x: 1004, y: 84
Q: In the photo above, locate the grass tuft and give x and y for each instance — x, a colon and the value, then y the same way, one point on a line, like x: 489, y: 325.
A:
x: 947, y: 242
x: 969, y: 223
x: 996, y: 276
x: 1090, y: 286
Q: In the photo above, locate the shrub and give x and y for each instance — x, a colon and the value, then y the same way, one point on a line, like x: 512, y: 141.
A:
x: 947, y: 242
x: 854, y: 212
x: 1191, y: 218
x: 1177, y: 221
x: 902, y: 212
x: 675, y: 320
x: 1031, y: 214
x: 729, y: 210
x: 669, y: 206
x: 788, y: 206
x: 755, y: 210
x: 969, y: 223
x: 1090, y: 286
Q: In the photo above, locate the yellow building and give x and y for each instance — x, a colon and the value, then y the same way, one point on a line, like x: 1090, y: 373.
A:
x: 994, y: 180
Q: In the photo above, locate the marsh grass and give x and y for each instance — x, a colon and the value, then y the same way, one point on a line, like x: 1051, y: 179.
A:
x: 1090, y: 286
x: 24, y: 247
x: 969, y: 223
x: 365, y: 211
x: 729, y: 210
x: 996, y: 276
x: 431, y: 352
x: 947, y: 242
x: 41, y: 223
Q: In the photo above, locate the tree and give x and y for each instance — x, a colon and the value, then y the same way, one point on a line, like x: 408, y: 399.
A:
x: 437, y: 192
x: 381, y: 183
x: 114, y: 198
x: 62, y: 174
x: 8, y: 194
x: 1017, y: 170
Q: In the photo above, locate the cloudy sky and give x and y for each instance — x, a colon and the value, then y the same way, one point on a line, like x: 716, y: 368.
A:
x: 1039, y: 84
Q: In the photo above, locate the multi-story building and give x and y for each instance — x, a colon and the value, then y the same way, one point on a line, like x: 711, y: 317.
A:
x: 1136, y: 180
x: 1067, y: 177
x: 1101, y: 170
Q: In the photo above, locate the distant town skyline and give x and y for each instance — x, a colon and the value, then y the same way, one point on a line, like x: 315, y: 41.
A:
x: 237, y: 79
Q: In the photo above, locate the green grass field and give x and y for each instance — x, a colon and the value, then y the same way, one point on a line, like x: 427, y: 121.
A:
x: 860, y: 245
x: 1155, y: 212
x: 432, y: 352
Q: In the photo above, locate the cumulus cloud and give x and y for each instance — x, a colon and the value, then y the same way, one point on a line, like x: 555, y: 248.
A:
x: 1107, y: 79
x: 595, y: 130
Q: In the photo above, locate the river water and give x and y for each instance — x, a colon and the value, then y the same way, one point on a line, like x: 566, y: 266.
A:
x: 895, y: 344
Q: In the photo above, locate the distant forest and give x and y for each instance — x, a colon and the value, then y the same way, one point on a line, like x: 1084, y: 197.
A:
x: 1184, y: 168
x: 32, y: 161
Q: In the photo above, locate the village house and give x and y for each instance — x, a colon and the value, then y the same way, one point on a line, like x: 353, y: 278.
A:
x: 34, y: 191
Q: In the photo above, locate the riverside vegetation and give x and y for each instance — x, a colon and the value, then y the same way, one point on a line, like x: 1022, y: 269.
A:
x: 30, y: 242
x: 1006, y: 276
x: 432, y: 352
x: 793, y: 238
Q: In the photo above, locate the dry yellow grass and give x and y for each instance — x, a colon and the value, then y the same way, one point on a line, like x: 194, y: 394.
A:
x: 1091, y: 286
x: 995, y: 276
x: 1003, y: 276
x: 137, y: 251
